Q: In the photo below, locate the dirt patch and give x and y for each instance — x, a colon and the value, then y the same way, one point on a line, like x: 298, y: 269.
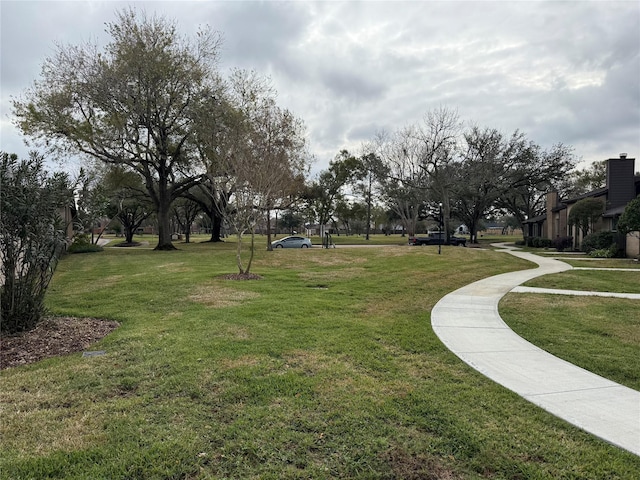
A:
x: 417, y: 466
x: 241, y: 276
x: 52, y: 337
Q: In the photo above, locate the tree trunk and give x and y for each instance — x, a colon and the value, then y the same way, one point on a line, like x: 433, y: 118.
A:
x: 238, y: 252
x: 216, y: 227
x: 269, y: 247
x: 164, y: 224
x: 128, y: 234
x: 251, y: 250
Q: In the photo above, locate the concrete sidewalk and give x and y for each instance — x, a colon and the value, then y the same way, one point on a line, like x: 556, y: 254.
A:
x: 468, y: 323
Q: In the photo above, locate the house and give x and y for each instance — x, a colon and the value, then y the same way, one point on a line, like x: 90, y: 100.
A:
x: 622, y: 186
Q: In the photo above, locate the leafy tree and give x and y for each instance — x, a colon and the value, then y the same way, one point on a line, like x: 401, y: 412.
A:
x: 212, y: 197
x: 352, y: 215
x: 131, y: 212
x: 629, y: 222
x: 290, y: 221
x: 127, y: 198
x: 133, y: 104
x: 479, y: 177
x: 324, y: 194
x: 588, y: 179
x: 92, y: 201
x: 369, y: 170
x: 530, y: 173
x: 585, y: 213
x: 32, y: 237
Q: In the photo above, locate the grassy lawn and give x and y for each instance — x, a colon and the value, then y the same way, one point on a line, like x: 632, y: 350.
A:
x: 590, y: 280
x: 325, y: 368
x: 261, y: 240
x: 599, y: 334
x: 603, y: 263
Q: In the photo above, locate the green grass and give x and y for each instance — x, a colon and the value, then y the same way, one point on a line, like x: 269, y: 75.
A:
x: 591, y: 280
x: 603, y: 263
x: 325, y: 368
x: 601, y: 335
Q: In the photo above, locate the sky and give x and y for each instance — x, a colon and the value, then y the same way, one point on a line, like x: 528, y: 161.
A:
x: 561, y: 72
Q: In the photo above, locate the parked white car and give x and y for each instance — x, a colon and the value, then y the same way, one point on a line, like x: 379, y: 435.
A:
x: 293, y: 241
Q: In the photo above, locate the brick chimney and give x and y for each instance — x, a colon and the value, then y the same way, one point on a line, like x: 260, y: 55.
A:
x: 620, y: 181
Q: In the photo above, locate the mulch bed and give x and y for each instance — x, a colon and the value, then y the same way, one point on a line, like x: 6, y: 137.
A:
x: 241, y: 276
x: 53, y: 336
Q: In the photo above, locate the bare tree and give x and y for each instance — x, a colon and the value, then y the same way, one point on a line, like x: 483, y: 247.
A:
x: 403, y: 183
x: 185, y: 212
x: 439, y: 136
x: 265, y: 159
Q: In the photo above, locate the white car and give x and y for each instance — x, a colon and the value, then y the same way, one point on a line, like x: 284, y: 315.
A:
x: 292, y: 241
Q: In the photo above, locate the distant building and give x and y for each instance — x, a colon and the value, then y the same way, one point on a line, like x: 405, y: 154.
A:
x: 622, y: 186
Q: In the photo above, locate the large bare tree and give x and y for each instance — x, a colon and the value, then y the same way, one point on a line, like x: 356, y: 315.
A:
x: 439, y: 135
x: 403, y: 182
x: 131, y: 104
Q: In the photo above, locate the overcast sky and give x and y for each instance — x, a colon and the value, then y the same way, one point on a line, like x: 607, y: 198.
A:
x: 559, y: 71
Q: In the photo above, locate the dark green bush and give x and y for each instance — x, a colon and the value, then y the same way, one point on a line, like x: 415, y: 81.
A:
x: 563, y: 243
x: 539, y: 242
x: 32, y: 237
x: 82, y: 244
x: 603, y: 241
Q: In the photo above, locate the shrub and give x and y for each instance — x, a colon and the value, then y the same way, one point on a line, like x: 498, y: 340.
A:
x: 545, y: 243
x: 32, y: 237
x: 602, y: 253
x: 82, y: 244
x: 602, y: 241
x: 563, y: 243
x: 539, y: 242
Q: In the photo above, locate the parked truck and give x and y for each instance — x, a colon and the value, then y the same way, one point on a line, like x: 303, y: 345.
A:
x: 438, y: 238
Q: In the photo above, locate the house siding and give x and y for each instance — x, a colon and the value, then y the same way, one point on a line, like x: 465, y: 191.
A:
x: 633, y: 245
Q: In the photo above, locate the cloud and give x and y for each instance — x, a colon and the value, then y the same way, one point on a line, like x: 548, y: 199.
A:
x: 558, y: 71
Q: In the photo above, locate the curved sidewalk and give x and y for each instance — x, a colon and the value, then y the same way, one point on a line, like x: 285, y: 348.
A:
x: 468, y: 323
